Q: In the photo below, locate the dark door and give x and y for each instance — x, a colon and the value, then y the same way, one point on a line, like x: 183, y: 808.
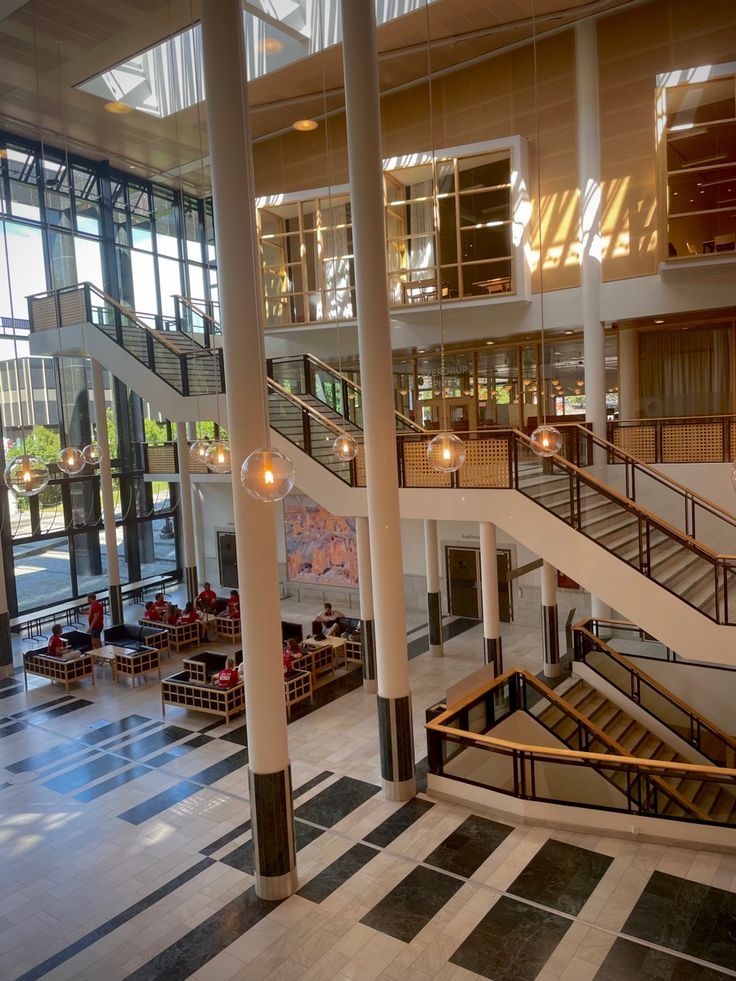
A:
x: 505, y: 598
x: 464, y: 582
x: 227, y: 559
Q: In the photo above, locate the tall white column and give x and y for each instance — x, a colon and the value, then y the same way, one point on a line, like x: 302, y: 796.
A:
x: 434, y: 597
x: 589, y: 180
x: 187, y: 513
x: 107, y: 494
x: 365, y: 582
x: 550, y: 627
x: 269, y: 774
x: 628, y: 394
x: 360, y: 60
x: 492, y: 647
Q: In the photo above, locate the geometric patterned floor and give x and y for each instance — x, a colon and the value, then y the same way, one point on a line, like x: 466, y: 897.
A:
x: 126, y: 853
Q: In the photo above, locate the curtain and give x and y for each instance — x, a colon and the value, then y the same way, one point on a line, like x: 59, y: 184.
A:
x: 685, y: 372
x: 335, y: 264
x: 421, y: 222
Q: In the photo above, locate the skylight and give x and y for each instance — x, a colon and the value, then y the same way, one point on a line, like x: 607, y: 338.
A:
x: 168, y: 77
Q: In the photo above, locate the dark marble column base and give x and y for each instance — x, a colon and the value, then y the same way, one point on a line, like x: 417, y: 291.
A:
x: 493, y: 654
x: 434, y: 618
x: 6, y: 671
x: 396, y: 739
x: 116, y: 603
x: 550, y: 642
x: 190, y: 581
x: 370, y: 685
x: 6, y: 646
x: 272, y: 823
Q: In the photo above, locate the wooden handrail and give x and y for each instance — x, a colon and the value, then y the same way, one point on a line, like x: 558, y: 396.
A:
x: 676, y: 420
x: 200, y: 313
x: 304, y: 407
x: 653, y: 683
x: 158, y: 335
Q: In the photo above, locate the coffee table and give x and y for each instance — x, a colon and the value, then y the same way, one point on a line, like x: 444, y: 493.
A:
x: 106, y: 655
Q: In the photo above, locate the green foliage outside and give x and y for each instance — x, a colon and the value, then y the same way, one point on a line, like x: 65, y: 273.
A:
x: 44, y: 444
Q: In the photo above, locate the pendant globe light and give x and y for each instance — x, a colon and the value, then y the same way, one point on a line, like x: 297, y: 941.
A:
x: 345, y: 448
x: 26, y: 475
x: 217, y: 457
x: 92, y: 454
x: 445, y: 451
x: 198, y: 451
x: 267, y: 475
x: 70, y: 460
x: 546, y: 440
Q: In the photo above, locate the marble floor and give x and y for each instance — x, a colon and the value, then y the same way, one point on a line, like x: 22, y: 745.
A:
x: 126, y: 853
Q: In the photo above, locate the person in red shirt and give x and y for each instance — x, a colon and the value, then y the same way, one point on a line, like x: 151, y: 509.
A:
x: 228, y: 677
x: 190, y: 615
x: 292, y: 652
x: 160, y: 603
x: 233, y: 605
x: 172, y: 617
x: 151, y: 613
x: 56, y: 641
x: 95, y: 620
x: 206, y: 599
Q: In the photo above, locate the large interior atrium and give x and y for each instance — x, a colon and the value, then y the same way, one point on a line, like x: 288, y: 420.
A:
x: 368, y: 509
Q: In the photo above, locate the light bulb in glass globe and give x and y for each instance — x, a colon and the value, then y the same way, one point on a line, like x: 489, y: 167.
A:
x: 26, y: 476
x: 92, y: 454
x: 345, y: 448
x: 267, y: 474
x: 198, y: 451
x: 218, y: 456
x: 446, y: 452
x: 546, y: 441
x: 70, y: 460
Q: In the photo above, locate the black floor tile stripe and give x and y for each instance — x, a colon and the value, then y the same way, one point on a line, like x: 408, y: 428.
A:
x: 398, y: 822
x: 222, y: 768
x: 39, y: 760
x: 115, y: 923
x: 469, y: 845
x: 104, y: 733
x: 149, y: 744
x: 420, y: 645
x: 173, y: 754
x: 336, y: 801
x: 43, y: 707
x: 55, y: 713
x: 561, y: 876
x: 200, y: 945
x: 412, y: 903
x: 688, y: 917
x: 79, y: 776
x: 67, y: 764
x: 242, y: 858
x: 627, y: 959
x: 12, y: 729
x: 338, y: 872
x: 118, y: 780
x: 512, y: 942
x: 159, y: 802
x: 9, y: 692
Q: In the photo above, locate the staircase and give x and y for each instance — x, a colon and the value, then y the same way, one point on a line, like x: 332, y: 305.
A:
x: 621, y: 734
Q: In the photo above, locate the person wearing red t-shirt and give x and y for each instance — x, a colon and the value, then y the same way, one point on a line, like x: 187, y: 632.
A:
x: 233, y: 605
x: 95, y: 620
x: 151, y: 613
x: 292, y: 652
x: 190, y: 615
x: 206, y: 599
x: 56, y: 641
x: 172, y: 617
x: 160, y: 603
x: 228, y: 677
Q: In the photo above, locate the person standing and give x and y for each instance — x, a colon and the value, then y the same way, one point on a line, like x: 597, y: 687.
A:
x: 95, y: 620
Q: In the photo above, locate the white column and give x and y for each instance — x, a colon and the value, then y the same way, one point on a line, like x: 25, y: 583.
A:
x: 365, y: 581
x: 550, y: 628
x: 187, y: 514
x: 492, y: 647
x: 628, y: 374
x: 434, y: 597
x: 107, y: 494
x: 360, y: 60
x: 589, y: 179
x: 270, y: 790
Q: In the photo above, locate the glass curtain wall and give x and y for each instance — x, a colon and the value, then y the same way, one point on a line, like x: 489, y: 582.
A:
x: 65, y: 220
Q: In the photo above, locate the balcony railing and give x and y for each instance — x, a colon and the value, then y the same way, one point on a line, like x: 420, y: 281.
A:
x: 685, y: 439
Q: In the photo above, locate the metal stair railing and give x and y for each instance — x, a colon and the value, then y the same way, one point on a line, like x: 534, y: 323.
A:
x: 191, y: 317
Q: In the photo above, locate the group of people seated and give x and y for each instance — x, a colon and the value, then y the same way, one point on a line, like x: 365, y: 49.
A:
x: 159, y: 610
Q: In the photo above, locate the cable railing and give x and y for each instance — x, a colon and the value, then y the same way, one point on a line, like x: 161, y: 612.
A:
x: 460, y: 747
x: 677, y: 439
x: 652, y: 696
x: 188, y: 370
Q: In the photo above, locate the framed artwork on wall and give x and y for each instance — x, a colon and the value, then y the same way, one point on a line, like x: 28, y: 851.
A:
x: 320, y: 546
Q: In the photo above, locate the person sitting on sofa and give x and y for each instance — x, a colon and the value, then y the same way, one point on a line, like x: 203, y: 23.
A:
x: 206, y: 600
x: 160, y: 603
x: 328, y: 621
x: 172, y: 617
x: 233, y: 605
x: 190, y: 615
x: 56, y: 641
x: 228, y: 677
x: 151, y: 613
x: 292, y: 652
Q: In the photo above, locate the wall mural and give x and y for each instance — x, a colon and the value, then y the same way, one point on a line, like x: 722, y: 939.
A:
x: 320, y: 547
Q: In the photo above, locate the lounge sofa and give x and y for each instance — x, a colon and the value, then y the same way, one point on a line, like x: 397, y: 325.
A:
x: 136, y: 637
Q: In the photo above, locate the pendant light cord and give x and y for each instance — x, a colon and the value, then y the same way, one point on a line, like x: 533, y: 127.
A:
x: 542, y: 395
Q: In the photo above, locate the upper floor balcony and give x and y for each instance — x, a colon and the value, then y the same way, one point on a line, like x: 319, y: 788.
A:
x: 456, y: 229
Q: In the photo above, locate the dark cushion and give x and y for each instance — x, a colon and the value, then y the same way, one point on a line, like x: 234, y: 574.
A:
x: 77, y: 639
x: 215, y: 660
x: 290, y: 629
x: 131, y: 635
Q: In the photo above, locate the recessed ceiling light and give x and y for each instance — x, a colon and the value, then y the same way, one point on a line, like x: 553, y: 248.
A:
x: 305, y: 125
x: 569, y: 331
x: 490, y: 342
x: 271, y: 45
x: 118, y: 108
x: 659, y: 321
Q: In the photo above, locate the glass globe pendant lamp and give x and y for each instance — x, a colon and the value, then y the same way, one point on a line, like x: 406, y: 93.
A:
x: 446, y: 452
x: 92, y: 454
x: 546, y: 441
x: 70, y: 460
x: 267, y: 475
x: 345, y: 448
x: 26, y: 476
x: 217, y: 457
x: 198, y: 451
